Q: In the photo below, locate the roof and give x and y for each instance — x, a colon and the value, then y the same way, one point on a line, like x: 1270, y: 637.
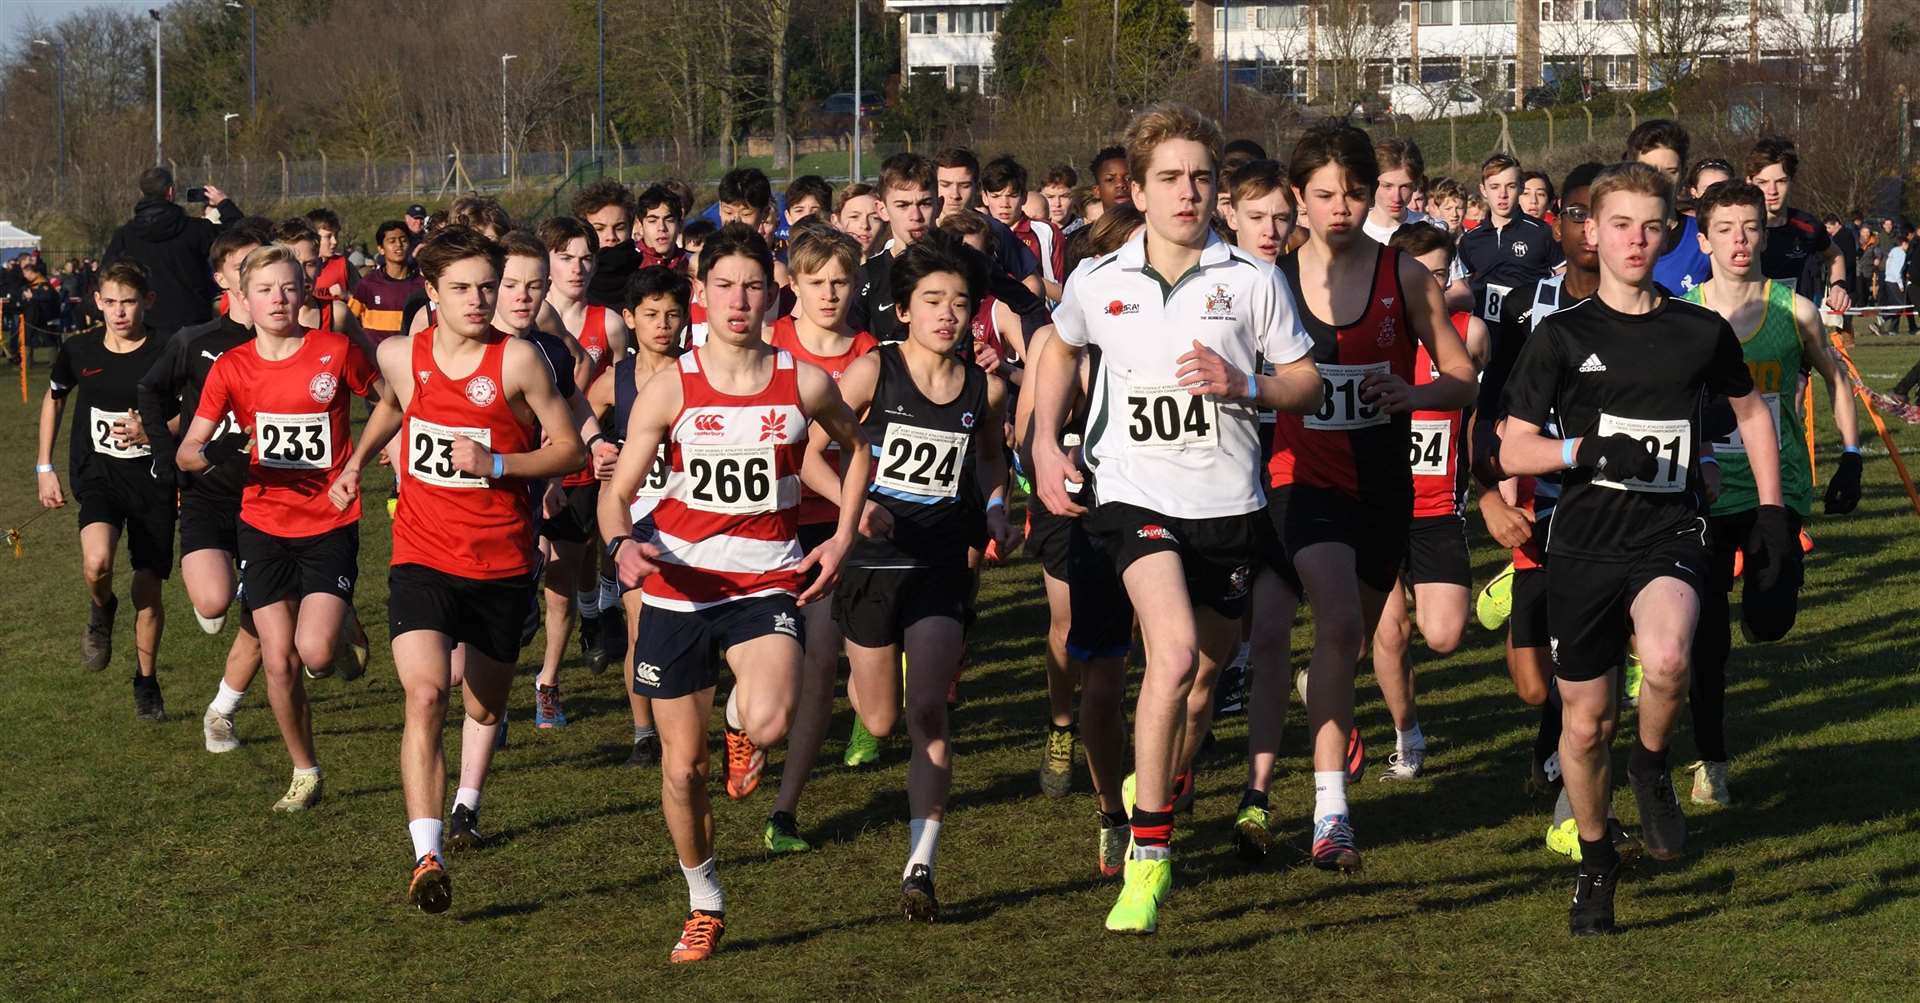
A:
x: 13, y: 237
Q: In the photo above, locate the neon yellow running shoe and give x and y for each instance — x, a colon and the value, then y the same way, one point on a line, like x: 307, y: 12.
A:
x: 783, y: 835
x: 1495, y: 604
x: 1126, y: 795
x: 1564, y: 838
x: 1138, y: 908
x: 1635, y: 673
x: 862, y: 747
x: 1253, y: 833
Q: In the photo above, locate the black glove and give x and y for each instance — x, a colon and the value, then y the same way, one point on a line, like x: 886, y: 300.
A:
x: 224, y: 448
x: 163, y: 471
x: 1770, y: 597
x: 1843, y: 490
x: 1617, y: 457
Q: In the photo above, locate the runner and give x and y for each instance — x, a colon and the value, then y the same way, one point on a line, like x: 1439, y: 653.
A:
x: 1629, y: 540
x: 299, y: 555
x: 1780, y: 334
x: 1058, y: 188
x: 1176, y: 497
x: 606, y: 206
x: 1536, y: 195
x: 316, y: 312
x: 720, y: 577
x: 112, y: 474
x: 1111, y: 183
x: 1663, y: 144
x: 1797, y: 251
x: 856, y: 212
x: 1509, y: 250
x: 1004, y: 185
x: 463, y: 555
x: 660, y: 214
x: 745, y: 196
x: 337, y: 274
x: 823, y: 265
x: 806, y: 195
x: 1341, y: 488
x: 1402, y: 171
x: 379, y: 299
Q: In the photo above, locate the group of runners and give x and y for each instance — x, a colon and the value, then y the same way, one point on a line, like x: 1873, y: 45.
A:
x: 1228, y: 387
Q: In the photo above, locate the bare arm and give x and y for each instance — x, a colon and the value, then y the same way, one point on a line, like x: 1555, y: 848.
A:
x: 1050, y: 384
x: 1455, y: 386
x: 1813, y: 343
x: 49, y: 482
x: 562, y: 453
x: 1763, y: 444
x: 1524, y: 450
x: 824, y: 405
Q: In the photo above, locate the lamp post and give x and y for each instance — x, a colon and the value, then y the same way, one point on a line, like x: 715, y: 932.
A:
x: 503, y: 110
x: 856, y: 93
x: 159, y: 147
x: 1226, y: 53
x: 253, y: 52
x: 60, y: 102
x: 600, y: 76
x: 226, y: 142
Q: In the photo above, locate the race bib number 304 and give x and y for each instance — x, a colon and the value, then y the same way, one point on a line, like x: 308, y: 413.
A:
x: 1733, y: 443
x: 921, y: 461
x: 1341, y: 409
x: 1169, y: 416
x: 730, y: 480
x: 294, y: 441
x: 100, y: 423
x: 430, y: 453
x: 1669, y: 441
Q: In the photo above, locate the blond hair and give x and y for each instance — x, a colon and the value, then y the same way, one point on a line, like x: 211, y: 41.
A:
x: 813, y: 248
x: 1162, y: 122
x: 266, y: 255
x: 1635, y: 177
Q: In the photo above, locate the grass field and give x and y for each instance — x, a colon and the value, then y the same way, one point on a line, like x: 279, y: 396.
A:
x: 134, y: 865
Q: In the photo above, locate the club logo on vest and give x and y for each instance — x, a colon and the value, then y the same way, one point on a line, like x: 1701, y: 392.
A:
x: 322, y: 388
x: 593, y: 352
x: 966, y: 419
x: 1388, y: 331
x: 709, y: 424
x: 423, y: 374
x: 1119, y: 309
x: 1218, y: 305
x: 773, y: 425
x: 481, y: 391
x: 1519, y: 248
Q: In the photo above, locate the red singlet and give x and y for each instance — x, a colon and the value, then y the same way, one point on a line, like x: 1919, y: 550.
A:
x: 814, y: 508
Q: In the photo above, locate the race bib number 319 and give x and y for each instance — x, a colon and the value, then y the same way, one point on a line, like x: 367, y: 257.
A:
x: 1341, y: 408
x: 294, y: 441
x: 1671, y: 442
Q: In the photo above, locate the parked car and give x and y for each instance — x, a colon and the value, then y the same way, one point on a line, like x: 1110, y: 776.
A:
x: 1439, y: 99
x: 834, y: 114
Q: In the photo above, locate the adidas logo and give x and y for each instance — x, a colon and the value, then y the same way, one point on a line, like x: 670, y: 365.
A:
x: 1593, y: 365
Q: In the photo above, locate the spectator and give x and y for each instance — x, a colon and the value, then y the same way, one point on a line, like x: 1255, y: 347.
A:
x: 1893, y: 287
x: 172, y: 247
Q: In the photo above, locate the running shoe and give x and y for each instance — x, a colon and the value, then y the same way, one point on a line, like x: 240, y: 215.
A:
x: 393, y: 505
x: 992, y: 556
x: 1635, y: 675
x: 592, y: 646
x: 431, y: 887
x: 1592, y: 912
x: 744, y: 762
x: 147, y: 703
x: 352, y: 661
x: 1253, y: 833
x: 1182, y: 793
x: 217, y: 729
x: 1495, y: 604
x: 1356, y: 756
x: 96, y: 645
x: 1230, y: 690
x: 917, y: 900
x: 613, y: 636
x: 862, y: 747
x: 546, y: 707
x: 1114, y: 840
x: 1563, y: 837
x: 1404, y: 764
x: 782, y: 835
x: 1138, y: 908
x: 463, y: 829
x: 1333, y: 845
x: 1056, y: 764
x: 1710, y: 784
x: 1662, y: 825
x: 323, y: 672
x: 699, y: 938
x: 646, y: 752
x: 303, y: 793
x: 1544, y: 778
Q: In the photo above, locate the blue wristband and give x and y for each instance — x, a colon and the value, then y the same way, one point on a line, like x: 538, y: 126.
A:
x: 1253, y: 387
x: 1566, y: 453
x: 499, y: 466
x: 1855, y: 450
x: 994, y: 503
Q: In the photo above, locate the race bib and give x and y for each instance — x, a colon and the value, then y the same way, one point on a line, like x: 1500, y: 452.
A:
x: 1341, y: 409
x: 294, y: 441
x: 104, y: 442
x: 1670, y: 441
x: 1169, y: 416
x: 920, y: 461
x: 1733, y: 443
x: 1428, y: 447
x: 1496, y: 299
x: 730, y: 480
x: 430, y: 453
x: 654, y: 485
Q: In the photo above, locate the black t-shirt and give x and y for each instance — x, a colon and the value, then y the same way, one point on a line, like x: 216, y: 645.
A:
x: 103, y: 387
x: 172, y: 387
x: 1793, y: 254
x: 1599, y: 372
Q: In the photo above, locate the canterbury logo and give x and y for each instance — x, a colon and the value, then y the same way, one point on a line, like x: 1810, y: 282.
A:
x: 709, y: 423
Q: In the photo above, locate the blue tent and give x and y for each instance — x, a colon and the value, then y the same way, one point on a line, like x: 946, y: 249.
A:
x: 15, y: 242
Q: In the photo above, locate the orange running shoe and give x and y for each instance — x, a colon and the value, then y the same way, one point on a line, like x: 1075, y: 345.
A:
x: 699, y: 938
x: 432, y: 887
x: 744, y: 762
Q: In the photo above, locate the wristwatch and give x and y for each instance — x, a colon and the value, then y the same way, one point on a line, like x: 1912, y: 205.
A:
x: 613, y: 548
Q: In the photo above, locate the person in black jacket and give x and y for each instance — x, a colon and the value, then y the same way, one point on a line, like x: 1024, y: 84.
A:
x: 172, y: 247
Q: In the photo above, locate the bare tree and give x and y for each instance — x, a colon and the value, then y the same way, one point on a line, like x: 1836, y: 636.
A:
x: 1349, y: 36
x: 1675, y: 37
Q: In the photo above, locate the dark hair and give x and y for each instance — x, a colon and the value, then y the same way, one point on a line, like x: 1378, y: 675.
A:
x: 125, y: 271
x: 657, y: 280
x: 1415, y: 239
x: 1105, y: 235
x: 737, y: 239
x: 1003, y: 172
x: 1398, y: 152
x: 480, y: 211
x: 1773, y: 150
x: 559, y: 231
x: 324, y: 217
x: 1581, y: 176
x: 388, y: 226
x: 811, y: 185
x: 656, y: 196
x: 1830, y: 220
x: 452, y: 243
x: 698, y: 230
x: 1335, y: 142
x: 958, y: 156
x: 1655, y: 134
x: 1703, y: 166
x: 251, y: 231
x: 964, y: 224
x: 1726, y: 195
x: 1241, y: 151
x: 600, y: 194
x: 1106, y: 153
x: 293, y: 231
x: 1540, y: 176
x: 1062, y: 175
x: 522, y: 243
x: 683, y: 191
x: 155, y: 182
x: 905, y: 170
x: 939, y: 251
x: 746, y: 186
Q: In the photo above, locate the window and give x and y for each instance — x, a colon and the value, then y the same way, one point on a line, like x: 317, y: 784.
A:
x: 990, y: 21
x: 1829, y: 7
x: 1436, y: 12
x: 966, y: 78
x: 1486, y: 11
x: 923, y: 23
x: 963, y: 22
x: 1617, y: 71
x: 933, y: 77
x: 1605, y: 10
x: 1219, y: 18
x: 1278, y: 17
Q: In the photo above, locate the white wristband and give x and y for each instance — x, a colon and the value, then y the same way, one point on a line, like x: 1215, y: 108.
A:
x: 1253, y: 386
x: 43, y: 468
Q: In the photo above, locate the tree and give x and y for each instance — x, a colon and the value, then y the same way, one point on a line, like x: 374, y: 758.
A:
x: 1347, y: 37
x: 1675, y: 36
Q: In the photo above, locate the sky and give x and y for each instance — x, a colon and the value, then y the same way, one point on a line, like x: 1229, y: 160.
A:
x: 14, y: 14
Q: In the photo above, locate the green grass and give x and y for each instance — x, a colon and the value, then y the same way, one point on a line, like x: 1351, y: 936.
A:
x: 137, y: 866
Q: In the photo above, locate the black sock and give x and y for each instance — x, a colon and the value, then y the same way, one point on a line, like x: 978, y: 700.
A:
x: 1547, y: 740
x: 1251, y: 798
x: 1112, y: 819
x: 1598, y: 854
x: 1068, y: 728
x: 1645, y: 762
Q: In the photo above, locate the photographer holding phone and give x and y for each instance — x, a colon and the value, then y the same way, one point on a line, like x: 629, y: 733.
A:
x: 172, y: 247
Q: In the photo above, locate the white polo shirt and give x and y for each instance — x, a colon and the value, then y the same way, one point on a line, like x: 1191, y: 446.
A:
x: 1149, y: 441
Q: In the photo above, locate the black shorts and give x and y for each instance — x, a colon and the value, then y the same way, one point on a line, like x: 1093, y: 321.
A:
x: 873, y: 607
x: 143, y: 517
x: 1216, y: 555
x: 209, y: 521
x: 678, y: 652
x: 1437, y: 552
x: 1527, y: 624
x: 1102, y: 614
x: 1374, y: 528
x: 273, y: 569
x: 1590, y: 603
x: 485, y: 614
x: 810, y: 536
x: 1047, y: 538
x: 578, y: 520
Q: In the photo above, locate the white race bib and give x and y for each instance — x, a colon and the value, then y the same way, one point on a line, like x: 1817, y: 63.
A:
x: 654, y: 485
x: 1169, y: 416
x: 430, y: 453
x: 730, y: 480
x: 1496, y: 298
x: 1341, y: 408
x: 921, y: 461
x: 1429, y: 445
x: 1670, y: 441
x: 1733, y: 443
x: 294, y: 441
x: 100, y: 427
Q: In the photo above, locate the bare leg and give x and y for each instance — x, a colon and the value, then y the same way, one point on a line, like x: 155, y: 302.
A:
x: 1270, y: 685
x: 286, y: 690
x: 814, y: 709
x: 150, y: 618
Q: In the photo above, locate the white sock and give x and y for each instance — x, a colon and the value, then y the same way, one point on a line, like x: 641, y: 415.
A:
x: 307, y: 771
x: 609, y: 593
x: 589, y: 601
x: 468, y: 797
x: 210, y: 624
x: 1329, y: 793
x: 641, y: 731
x: 426, y: 837
x: 703, y: 887
x: 733, y: 709
x: 1412, y: 738
x: 1241, y: 656
x: 227, y: 700
x: 923, y: 841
